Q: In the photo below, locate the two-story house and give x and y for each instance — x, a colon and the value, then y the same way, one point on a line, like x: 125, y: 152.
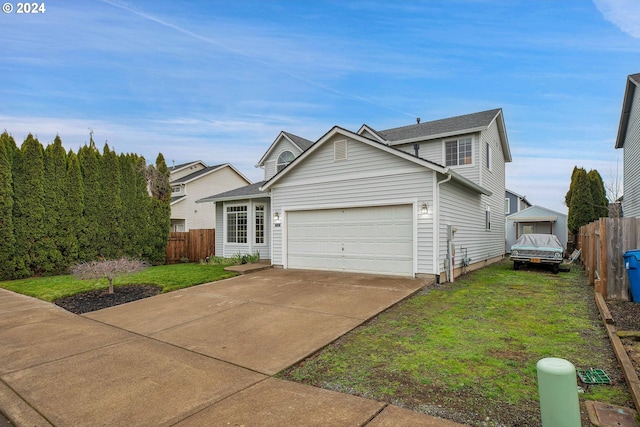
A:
x: 629, y: 139
x: 192, y: 181
x: 514, y: 202
x: 420, y: 200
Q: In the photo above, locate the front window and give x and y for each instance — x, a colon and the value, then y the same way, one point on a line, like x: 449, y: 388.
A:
x: 259, y: 224
x: 284, y: 159
x: 458, y: 152
x: 236, y: 224
x: 175, y: 189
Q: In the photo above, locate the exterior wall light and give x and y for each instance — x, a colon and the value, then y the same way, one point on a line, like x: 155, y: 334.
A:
x: 276, y: 217
x: 424, y: 208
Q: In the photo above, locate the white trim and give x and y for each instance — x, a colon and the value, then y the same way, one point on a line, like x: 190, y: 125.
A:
x: 340, y: 150
x: 447, y: 135
x: 187, y: 165
x: 337, y: 130
x: 328, y: 179
x: 373, y: 133
x: 457, y: 139
x: 284, y: 150
x: 436, y: 222
x: 412, y: 202
x: 220, y: 167
x: 415, y: 238
x: 275, y: 142
x: 226, y: 205
x: 266, y: 218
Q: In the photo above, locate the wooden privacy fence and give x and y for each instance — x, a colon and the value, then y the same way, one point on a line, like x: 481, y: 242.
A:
x: 603, y: 244
x: 193, y: 245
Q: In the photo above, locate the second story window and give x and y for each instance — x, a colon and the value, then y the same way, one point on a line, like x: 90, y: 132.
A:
x: 284, y: 159
x: 458, y: 152
x: 175, y: 189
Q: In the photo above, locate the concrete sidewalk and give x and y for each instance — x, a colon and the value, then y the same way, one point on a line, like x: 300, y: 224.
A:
x: 199, y: 356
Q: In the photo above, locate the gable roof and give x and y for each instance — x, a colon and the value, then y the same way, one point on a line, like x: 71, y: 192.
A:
x: 443, y: 128
x: 379, y: 145
x: 206, y: 171
x: 536, y: 213
x: 175, y: 168
x: 302, y: 143
x: 250, y: 191
x: 177, y: 199
x: 633, y: 81
x: 524, y: 198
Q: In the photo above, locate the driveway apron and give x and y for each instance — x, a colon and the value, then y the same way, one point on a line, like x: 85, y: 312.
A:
x: 199, y: 356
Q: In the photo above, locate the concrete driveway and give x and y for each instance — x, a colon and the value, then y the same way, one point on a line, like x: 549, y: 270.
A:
x: 199, y: 356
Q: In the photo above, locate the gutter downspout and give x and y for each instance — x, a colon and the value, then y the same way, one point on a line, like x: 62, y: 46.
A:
x: 437, y: 219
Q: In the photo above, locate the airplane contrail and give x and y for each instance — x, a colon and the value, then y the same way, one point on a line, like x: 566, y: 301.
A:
x: 238, y: 52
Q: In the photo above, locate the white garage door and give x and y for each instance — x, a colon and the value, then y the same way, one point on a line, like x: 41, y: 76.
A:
x: 369, y: 240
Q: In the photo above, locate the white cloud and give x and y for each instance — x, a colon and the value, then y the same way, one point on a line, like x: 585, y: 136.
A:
x: 624, y: 14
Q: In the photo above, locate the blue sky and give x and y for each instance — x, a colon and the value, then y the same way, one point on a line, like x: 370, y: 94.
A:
x: 218, y: 80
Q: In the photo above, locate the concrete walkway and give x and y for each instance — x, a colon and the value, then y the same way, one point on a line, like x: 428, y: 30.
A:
x: 199, y: 356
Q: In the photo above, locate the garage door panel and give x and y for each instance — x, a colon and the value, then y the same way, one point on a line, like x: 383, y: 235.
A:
x: 371, y: 239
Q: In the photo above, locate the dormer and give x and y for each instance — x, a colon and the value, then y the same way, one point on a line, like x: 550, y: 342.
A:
x: 284, y: 149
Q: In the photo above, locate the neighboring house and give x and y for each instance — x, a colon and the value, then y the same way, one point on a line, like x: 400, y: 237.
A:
x: 629, y: 139
x: 192, y: 181
x: 513, y: 202
x: 536, y: 220
x: 395, y: 201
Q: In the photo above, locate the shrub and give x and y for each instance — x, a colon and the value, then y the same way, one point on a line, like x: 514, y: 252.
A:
x: 109, y: 269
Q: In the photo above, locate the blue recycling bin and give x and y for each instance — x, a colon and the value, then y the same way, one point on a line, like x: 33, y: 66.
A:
x: 632, y: 264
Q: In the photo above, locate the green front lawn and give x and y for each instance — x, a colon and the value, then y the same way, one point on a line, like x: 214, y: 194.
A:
x: 168, y: 277
x: 472, y: 347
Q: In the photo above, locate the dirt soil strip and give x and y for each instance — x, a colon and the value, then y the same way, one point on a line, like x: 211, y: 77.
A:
x: 621, y: 353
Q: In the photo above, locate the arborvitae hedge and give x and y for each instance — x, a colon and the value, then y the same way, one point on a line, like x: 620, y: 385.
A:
x: 7, y: 238
x: 59, y: 208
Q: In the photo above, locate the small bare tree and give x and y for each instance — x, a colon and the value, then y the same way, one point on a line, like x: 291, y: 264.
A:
x: 109, y: 269
x: 613, y: 187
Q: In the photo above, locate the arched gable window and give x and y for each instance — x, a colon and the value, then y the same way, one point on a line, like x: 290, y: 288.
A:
x: 284, y: 159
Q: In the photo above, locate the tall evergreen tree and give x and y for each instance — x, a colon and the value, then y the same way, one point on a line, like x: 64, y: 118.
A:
x: 31, y: 245
x: 581, y: 205
x: 599, y: 195
x: 567, y: 197
x: 160, y: 212
x: 72, y: 220
x: 7, y: 238
x: 55, y: 174
x: 90, y: 161
x: 135, y: 205
x: 110, y: 231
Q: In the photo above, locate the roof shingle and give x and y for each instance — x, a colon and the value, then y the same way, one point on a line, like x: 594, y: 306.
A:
x: 442, y: 126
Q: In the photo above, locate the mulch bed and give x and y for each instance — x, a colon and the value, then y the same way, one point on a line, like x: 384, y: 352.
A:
x: 626, y: 317
x: 99, y: 299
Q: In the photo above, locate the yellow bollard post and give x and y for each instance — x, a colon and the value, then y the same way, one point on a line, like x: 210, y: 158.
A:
x: 558, y: 390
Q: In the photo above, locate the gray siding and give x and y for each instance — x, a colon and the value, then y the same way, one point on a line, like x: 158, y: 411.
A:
x: 224, y: 249
x: 369, y: 177
x: 434, y: 151
x: 272, y: 158
x: 467, y: 210
x: 631, y: 201
x: 494, y: 180
x: 514, y: 203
